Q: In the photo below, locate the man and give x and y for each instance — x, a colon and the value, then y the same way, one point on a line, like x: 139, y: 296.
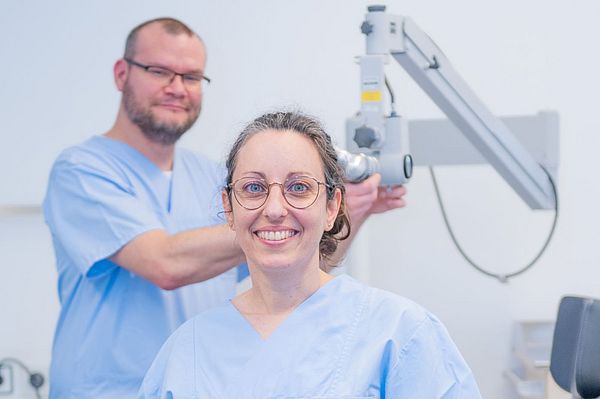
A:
x: 135, y: 226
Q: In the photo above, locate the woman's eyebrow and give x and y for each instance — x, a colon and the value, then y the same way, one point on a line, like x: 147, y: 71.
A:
x: 292, y: 174
x: 251, y: 172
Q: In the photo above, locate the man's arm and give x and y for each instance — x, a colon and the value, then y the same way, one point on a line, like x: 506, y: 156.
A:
x: 172, y: 261
x: 364, y: 199
x: 95, y: 214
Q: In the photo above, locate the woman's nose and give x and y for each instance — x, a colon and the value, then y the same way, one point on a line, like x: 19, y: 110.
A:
x: 276, y: 205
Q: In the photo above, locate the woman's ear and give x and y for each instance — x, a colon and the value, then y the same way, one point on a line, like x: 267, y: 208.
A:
x: 333, y: 208
x: 227, y: 209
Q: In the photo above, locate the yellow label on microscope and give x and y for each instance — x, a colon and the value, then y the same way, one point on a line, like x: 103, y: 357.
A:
x: 370, y: 96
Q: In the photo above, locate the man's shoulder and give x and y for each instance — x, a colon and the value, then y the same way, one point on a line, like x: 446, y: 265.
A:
x: 91, y: 150
x: 199, y: 163
x: 97, y: 157
x: 188, y: 155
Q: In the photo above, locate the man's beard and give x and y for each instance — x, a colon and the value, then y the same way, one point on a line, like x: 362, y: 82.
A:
x: 158, y: 132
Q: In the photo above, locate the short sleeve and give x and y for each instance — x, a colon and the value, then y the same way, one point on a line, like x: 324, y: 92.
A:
x: 92, y: 213
x: 430, y: 366
x: 151, y: 386
x: 171, y: 374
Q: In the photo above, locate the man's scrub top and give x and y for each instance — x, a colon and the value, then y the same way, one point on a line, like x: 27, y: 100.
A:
x: 347, y: 340
x: 102, y: 194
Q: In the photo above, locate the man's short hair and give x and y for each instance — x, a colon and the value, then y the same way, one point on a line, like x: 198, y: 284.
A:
x: 170, y: 25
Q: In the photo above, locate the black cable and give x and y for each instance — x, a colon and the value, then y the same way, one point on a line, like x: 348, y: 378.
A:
x: 36, y: 380
x: 503, y: 278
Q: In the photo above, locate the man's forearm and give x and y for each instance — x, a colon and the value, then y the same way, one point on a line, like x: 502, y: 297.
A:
x: 172, y: 261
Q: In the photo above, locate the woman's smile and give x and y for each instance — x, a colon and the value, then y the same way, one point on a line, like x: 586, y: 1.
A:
x: 275, y: 235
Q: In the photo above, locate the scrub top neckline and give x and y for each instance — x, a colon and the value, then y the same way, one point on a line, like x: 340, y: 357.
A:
x: 134, y: 151
x: 153, y: 171
x: 322, y: 290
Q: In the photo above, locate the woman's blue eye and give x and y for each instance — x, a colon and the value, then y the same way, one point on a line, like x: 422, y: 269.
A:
x: 297, y: 188
x: 254, y: 188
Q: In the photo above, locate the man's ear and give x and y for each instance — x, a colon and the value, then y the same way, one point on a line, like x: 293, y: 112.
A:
x: 227, y: 209
x: 120, y: 71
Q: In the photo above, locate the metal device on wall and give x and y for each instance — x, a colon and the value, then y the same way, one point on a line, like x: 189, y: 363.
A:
x: 522, y: 149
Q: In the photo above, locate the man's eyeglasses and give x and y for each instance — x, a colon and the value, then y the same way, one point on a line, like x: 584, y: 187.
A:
x: 166, y: 76
x: 299, y: 191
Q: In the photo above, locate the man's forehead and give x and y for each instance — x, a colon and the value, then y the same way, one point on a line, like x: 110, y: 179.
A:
x: 155, y: 40
x: 158, y: 30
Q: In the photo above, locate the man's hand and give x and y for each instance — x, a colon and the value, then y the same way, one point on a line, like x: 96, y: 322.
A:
x: 367, y: 197
x: 364, y: 199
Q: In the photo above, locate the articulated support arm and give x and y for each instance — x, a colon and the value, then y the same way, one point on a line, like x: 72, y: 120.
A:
x: 398, y: 37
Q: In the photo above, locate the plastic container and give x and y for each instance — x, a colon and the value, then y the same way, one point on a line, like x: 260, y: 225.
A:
x: 526, y: 388
x: 532, y: 346
x: 531, y: 349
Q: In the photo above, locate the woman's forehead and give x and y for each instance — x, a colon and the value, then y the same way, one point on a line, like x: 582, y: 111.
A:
x: 280, y: 150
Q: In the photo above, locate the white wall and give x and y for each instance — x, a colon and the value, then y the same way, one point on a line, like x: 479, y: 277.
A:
x: 519, y: 57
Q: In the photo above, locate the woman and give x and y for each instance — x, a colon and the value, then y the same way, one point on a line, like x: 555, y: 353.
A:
x: 299, y: 332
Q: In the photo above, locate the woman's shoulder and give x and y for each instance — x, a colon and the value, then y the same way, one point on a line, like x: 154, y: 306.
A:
x: 215, y: 316
x: 390, y: 302
x: 386, y: 314
x: 203, y: 321
x: 382, y: 302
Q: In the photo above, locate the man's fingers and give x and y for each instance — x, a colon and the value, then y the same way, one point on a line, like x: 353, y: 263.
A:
x: 366, y: 187
x: 396, y: 203
x: 391, y: 192
x: 363, y: 201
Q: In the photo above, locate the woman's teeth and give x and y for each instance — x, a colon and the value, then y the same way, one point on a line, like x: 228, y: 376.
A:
x: 275, y: 235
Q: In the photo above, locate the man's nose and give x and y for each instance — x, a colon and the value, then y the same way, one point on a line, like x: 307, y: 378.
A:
x: 176, y: 85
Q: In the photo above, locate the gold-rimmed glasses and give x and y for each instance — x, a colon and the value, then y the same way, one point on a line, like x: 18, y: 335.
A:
x: 299, y: 192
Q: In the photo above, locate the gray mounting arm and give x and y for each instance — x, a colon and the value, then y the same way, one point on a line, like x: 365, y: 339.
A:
x: 401, y: 38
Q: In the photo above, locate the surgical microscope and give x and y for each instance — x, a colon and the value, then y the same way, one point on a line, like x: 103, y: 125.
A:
x: 523, y: 150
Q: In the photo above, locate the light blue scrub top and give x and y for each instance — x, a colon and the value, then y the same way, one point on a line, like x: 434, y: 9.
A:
x: 347, y: 340
x: 102, y: 194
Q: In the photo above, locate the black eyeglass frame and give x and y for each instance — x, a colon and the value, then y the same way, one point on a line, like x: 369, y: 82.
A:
x: 229, y: 187
x: 174, y: 74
